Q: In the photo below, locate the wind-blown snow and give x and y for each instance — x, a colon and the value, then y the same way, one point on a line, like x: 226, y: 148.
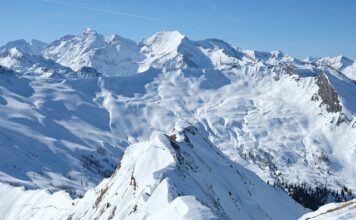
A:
x: 282, y: 118
x: 178, y: 177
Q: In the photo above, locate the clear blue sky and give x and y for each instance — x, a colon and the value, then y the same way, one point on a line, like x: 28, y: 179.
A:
x: 297, y: 27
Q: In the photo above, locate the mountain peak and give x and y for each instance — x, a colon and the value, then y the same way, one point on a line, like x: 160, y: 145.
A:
x: 221, y: 49
x: 172, y: 49
x: 38, y: 46
x: 34, y: 47
x: 20, y: 45
x: 339, y: 62
x: 89, y: 34
x: 88, y: 30
x: 165, y: 40
x: 277, y: 53
x: 112, y: 55
x: 343, y: 59
x: 171, y: 35
x: 115, y: 38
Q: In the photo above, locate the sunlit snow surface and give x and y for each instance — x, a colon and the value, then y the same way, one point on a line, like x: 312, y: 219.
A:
x: 178, y: 177
x: 61, y: 129
x: 332, y: 211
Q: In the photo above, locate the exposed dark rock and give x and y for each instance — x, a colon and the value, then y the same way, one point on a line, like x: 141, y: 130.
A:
x: 289, y: 70
x: 134, y: 209
x: 315, y: 97
x: 327, y: 94
x: 4, y: 70
x: 100, y: 197
x: 133, y: 182
x: 173, y: 136
x: 112, y: 215
x: 88, y: 72
x: 343, y: 118
x: 354, y: 125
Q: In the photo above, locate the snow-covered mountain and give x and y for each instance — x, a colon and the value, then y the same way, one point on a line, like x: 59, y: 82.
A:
x: 25, y: 57
x: 287, y: 120
x: 272, y: 58
x: 172, y: 50
x: 112, y: 55
x: 181, y: 176
x: 34, y: 47
x: 341, y: 63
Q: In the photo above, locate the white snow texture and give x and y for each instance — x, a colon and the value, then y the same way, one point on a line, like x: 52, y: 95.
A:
x: 192, y: 120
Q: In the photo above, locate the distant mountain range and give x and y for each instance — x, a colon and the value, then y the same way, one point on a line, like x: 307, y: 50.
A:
x: 70, y: 109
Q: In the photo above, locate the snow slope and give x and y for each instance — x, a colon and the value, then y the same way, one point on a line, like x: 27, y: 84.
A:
x: 340, y: 211
x: 49, y: 137
x: 112, y: 55
x: 282, y: 118
x: 25, y: 57
x: 181, y: 176
x: 35, y: 47
x: 17, y: 203
x: 172, y: 50
x: 341, y: 63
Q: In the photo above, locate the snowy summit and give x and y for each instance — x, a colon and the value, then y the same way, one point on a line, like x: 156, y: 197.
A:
x: 102, y: 127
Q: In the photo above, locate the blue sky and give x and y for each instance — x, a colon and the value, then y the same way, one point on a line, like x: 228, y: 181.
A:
x: 297, y: 27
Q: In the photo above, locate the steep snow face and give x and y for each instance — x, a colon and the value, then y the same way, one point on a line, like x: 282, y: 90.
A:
x: 17, y: 203
x: 37, y: 46
x: 172, y: 50
x: 221, y: 54
x: 265, y: 118
x: 271, y: 58
x: 281, y: 118
x: 345, y: 210
x: 341, y: 63
x: 112, y: 55
x: 54, y: 134
x: 350, y: 71
x: 34, y: 47
x: 181, y: 176
x: 280, y: 122
x: 25, y: 57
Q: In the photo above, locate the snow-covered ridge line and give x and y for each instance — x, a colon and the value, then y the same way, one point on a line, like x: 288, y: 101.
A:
x: 285, y: 119
x: 181, y: 176
x: 115, y: 55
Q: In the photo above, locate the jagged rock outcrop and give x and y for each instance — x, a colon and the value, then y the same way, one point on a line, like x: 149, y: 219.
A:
x: 328, y: 96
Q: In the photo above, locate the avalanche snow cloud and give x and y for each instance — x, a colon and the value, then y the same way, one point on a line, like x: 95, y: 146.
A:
x: 69, y: 109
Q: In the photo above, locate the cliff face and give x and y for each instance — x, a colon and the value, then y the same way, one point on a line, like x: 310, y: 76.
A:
x: 327, y: 94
